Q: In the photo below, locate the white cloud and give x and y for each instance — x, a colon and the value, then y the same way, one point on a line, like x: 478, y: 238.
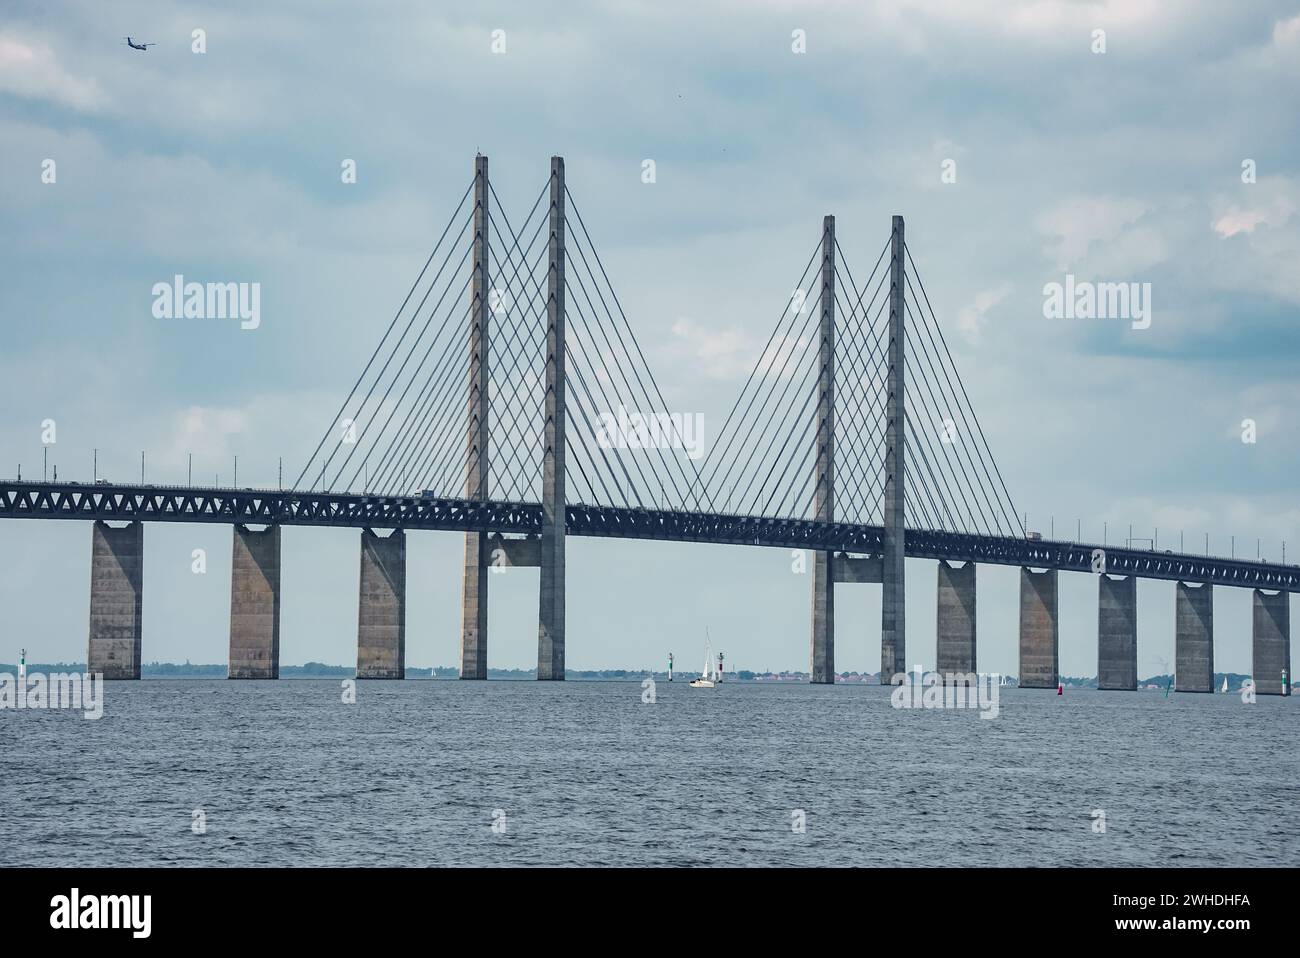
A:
x: 1277, y: 202
x: 972, y: 317
x: 1239, y: 221
x: 1078, y: 225
x: 718, y: 354
x: 1048, y: 18
x: 1057, y: 24
x: 1265, y: 238
x: 33, y: 72
x: 1286, y: 34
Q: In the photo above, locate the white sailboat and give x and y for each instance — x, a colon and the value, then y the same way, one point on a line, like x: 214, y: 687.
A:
x: 1225, y: 684
x: 707, y: 677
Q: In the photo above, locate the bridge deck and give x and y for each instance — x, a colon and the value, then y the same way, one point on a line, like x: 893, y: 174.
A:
x: 44, y: 500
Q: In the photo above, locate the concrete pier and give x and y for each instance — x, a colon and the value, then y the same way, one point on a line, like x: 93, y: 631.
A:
x: 1193, y: 638
x: 1116, y: 632
x: 381, y: 618
x: 1271, y: 642
x: 473, y: 607
x: 1039, y: 630
x: 116, y: 587
x: 514, y: 552
x: 550, y: 619
x: 255, y: 604
x: 956, y: 618
x: 823, y: 577
x: 893, y: 594
x: 823, y: 619
x: 851, y: 568
x: 474, y: 595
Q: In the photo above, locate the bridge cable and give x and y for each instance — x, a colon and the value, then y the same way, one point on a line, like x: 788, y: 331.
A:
x: 803, y: 345
x: 613, y: 383
x: 581, y: 356
x: 626, y: 381
x: 773, y: 376
x: 519, y: 396
x: 432, y: 395
x: 853, y: 414
x: 931, y: 412
x: 977, y: 487
x: 854, y: 346
x: 415, y: 314
x: 1014, y: 515
x: 758, y: 365
x: 521, y: 341
x: 627, y: 325
x: 330, y: 429
x: 401, y: 369
x: 795, y: 429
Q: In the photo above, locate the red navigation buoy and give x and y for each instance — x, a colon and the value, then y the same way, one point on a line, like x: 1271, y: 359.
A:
x: 1060, y: 688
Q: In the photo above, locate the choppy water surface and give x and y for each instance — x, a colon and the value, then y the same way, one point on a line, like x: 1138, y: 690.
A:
x: 411, y: 774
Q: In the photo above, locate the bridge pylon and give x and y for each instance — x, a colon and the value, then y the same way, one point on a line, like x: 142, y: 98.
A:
x: 482, y: 553
x: 823, y: 577
x: 890, y: 569
x: 474, y: 594
x: 893, y: 605
x: 550, y: 626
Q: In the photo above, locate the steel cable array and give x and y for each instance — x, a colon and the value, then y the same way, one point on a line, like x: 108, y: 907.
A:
x: 402, y: 430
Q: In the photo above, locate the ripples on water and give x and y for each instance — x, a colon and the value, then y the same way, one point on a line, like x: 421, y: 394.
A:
x: 586, y: 774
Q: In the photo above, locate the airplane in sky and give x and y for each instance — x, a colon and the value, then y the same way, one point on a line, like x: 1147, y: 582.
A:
x: 139, y: 46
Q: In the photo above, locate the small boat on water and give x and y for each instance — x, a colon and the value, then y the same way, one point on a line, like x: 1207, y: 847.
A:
x: 1225, y: 684
x: 708, y: 676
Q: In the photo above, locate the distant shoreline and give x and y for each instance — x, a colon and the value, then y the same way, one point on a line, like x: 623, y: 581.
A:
x: 319, y: 670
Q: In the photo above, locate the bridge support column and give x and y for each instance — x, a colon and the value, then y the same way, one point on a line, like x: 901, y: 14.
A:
x: 1271, y: 642
x: 381, y: 615
x: 1039, y: 630
x: 1116, y: 632
x: 823, y: 579
x: 255, y: 604
x: 116, y: 587
x: 893, y: 604
x: 823, y: 618
x: 956, y: 618
x: 550, y: 624
x: 474, y: 593
x: 1193, y: 638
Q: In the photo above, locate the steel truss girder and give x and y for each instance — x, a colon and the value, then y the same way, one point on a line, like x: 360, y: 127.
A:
x: 43, y: 500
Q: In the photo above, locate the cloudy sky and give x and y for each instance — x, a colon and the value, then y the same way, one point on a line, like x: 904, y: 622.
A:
x: 1122, y: 166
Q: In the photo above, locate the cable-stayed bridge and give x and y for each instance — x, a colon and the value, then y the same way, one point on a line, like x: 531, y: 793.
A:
x: 509, y: 399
